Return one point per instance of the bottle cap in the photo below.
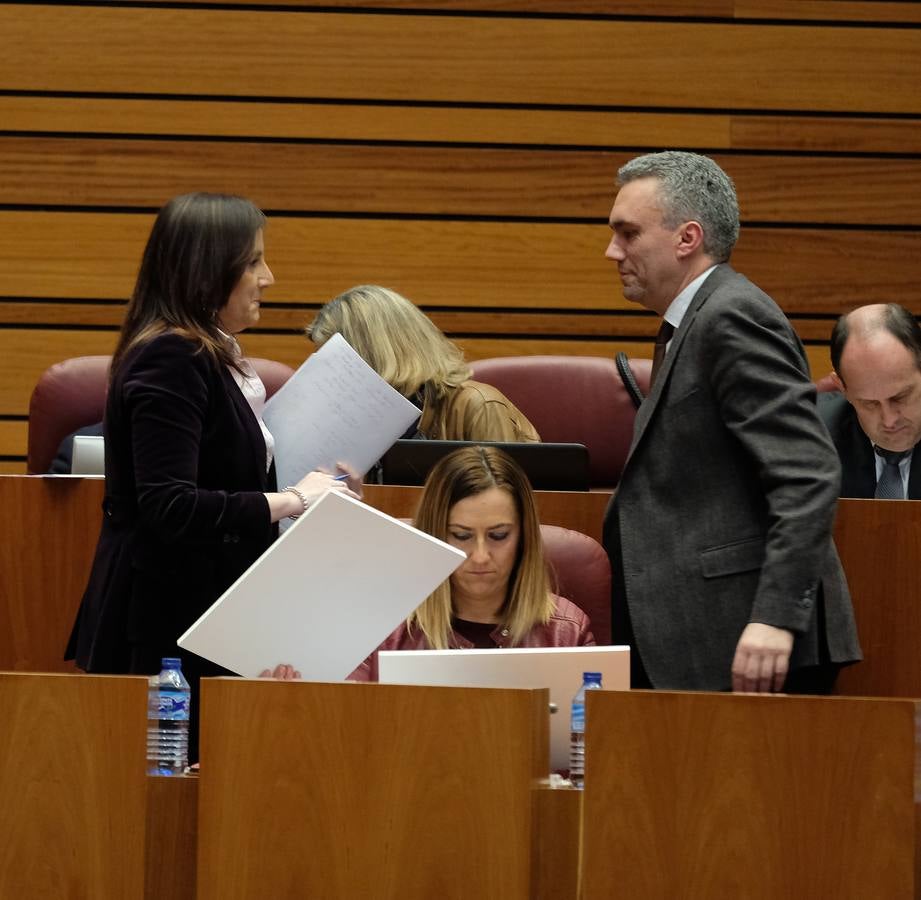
(592, 676)
(171, 662)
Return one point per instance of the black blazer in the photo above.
(855, 450)
(184, 509)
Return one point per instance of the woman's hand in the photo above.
(352, 480)
(308, 490)
(281, 672)
(315, 484)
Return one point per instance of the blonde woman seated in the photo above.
(478, 499)
(405, 348)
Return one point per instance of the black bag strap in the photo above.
(626, 376)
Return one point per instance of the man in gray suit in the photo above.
(726, 576)
(875, 420)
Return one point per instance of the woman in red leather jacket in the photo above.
(479, 500)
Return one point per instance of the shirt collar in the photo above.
(679, 306)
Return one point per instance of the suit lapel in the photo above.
(914, 475)
(648, 407)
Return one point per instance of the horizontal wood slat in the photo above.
(248, 118)
(520, 7)
(445, 58)
(324, 121)
(875, 11)
(433, 180)
(13, 437)
(517, 265)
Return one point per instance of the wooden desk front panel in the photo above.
(343, 791)
(880, 546)
(72, 787)
(709, 796)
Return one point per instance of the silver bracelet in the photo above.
(300, 496)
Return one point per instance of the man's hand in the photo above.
(762, 658)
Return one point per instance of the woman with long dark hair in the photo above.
(191, 500)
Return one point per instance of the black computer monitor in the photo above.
(549, 467)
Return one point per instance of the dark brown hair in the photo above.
(197, 251)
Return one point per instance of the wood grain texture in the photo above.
(565, 7)
(493, 59)
(880, 545)
(875, 11)
(558, 849)
(252, 118)
(72, 787)
(469, 265)
(374, 790)
(433, 181)
(748, 796)
(13, 437)
(172, 838)
(41, 593)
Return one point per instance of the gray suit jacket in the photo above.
(727, 500)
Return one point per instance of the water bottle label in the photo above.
(173, 705)
(578, 717)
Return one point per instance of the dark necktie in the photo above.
(666, 331)
(889, 486)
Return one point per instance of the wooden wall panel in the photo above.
(484, 59)
(72, 786)
(252, 118)
(434, 181)
(868, 11)
(471, 166)
(467, 264)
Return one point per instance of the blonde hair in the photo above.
(392, 336)
(466, 473)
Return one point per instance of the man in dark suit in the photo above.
(726, 576)
(875, 420)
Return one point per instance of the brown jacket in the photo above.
(475, 412)
(568, 627)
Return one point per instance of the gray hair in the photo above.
(691, 186)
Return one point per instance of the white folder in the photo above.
(325, 594)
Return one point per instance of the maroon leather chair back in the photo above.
(574, 399)
(72, 394)
(583, 574)
(827, 384)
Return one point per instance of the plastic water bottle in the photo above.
(591, 681)
(168, 701)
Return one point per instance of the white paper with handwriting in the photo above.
(335, 408)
